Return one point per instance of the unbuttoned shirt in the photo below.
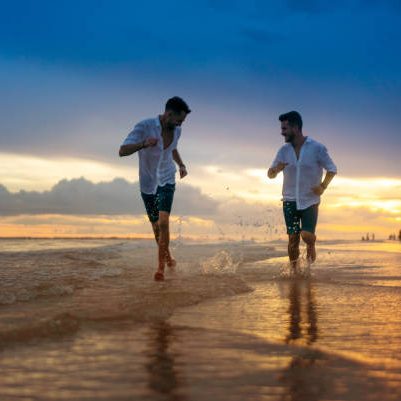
(156, 164)
(304, 173)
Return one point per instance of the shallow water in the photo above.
(45, 244)
(228, 325)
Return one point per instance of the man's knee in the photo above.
(308, 237)
(164, 218)
(293, 240)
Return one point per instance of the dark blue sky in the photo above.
(76, 75)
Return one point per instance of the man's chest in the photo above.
(167, 138)
(305, 156)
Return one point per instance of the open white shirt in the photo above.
(301, 175)
(156, 165)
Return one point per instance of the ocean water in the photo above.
(45, 244)
(87, 322)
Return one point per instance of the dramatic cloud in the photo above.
(82, 197)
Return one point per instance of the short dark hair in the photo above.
(177, 105)
(293, 118)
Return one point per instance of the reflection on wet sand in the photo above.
(164, 378)
(301, 290)
(302, 330)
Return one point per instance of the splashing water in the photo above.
(302, 269)
(221, 263)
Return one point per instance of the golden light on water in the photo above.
(99, 226)
(73, 226)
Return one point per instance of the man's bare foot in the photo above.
(159, 276)
(294, 265)
(170, 261)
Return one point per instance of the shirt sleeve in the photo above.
(137, 135)
(326, 161)
(278, 159)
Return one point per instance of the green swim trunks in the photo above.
(300, 220)
(161, 201)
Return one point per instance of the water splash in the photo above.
(302, 270)
(221, 263)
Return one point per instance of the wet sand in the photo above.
(230, 324)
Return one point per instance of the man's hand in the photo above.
(127, 150)
(272, 172)
(149, 142)
(183, 171)
(318, 190)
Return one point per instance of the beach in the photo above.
(84, 320)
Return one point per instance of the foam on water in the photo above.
(26, 276)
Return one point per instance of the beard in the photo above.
(288, 138)
(170, 125)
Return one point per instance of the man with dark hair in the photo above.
(155, 140)
(302, 161)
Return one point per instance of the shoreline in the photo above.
(110, 283)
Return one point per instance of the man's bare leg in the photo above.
(164, 241)
(293, 249)
(171, 262)
(310, 240)
(156, 231)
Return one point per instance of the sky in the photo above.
(75, 77)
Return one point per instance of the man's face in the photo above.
(174, 119)
(287, 131)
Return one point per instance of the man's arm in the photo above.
(278, 164)
(181, 165)
(323, 185)
(273, 171)
(126, 150)
(331, 170)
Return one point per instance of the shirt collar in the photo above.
(159, 125)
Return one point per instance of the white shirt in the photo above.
(301, 175)
(156, 165)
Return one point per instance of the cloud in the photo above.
(82, 197)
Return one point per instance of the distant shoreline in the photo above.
(187, 239)
(74, 238)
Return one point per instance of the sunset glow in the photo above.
(70, 100)
(350, 207)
